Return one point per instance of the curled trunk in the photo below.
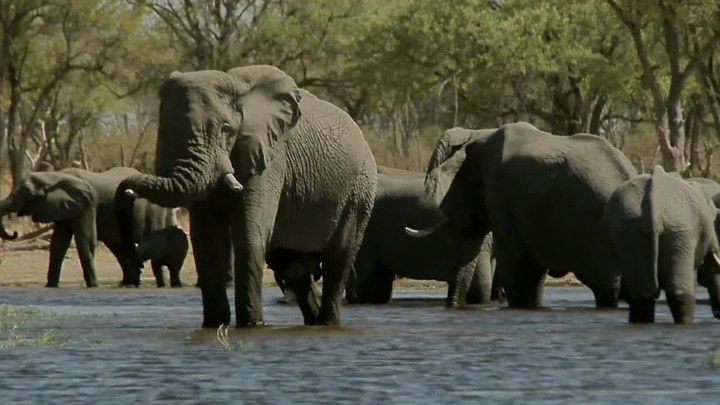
(188, 181)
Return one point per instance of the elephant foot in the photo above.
(642, 310)
(176, 285)
(126, 284)
(160, 285)
(52, 285)
(252, 324)
(682, 307)
(606, 299)
(91, 285)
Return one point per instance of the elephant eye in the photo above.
(227, 131)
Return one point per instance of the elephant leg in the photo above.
(678, 279)
(709, 277)
(157, 269)
(122, 257)
(306, 296)
(86, 242)
(523, 280)
(279, 281)
(459, 286)
(210, 240)
(338, 259)
(174, 271)
(481, 285)
(359, 287)
(59, 244)
(607, 296)
(251, 230)
(498, 291)
(383, 284)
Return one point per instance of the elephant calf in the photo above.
(663, 231)
(165, 247)
(387, 252)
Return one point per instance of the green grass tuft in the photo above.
(222, 337)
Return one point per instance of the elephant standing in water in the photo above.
(543, 197)
(263, 164)
(165, 247)
(387, 252)
(663, 230)
(80, 203)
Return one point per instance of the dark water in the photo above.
(143, 346)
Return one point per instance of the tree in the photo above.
(671, 39)
(65, 63)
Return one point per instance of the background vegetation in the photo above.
(78, 78)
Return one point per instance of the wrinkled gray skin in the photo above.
(165, 247)
(387, 251)
(80, 205)
(543, 197)
(663, 231)
(265, 165)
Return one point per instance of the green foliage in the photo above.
(405, 70)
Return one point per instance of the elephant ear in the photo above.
(269, 102)
(62, 199)
(452, 140)
(438, 180)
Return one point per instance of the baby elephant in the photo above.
(662, 229)
(165, 247)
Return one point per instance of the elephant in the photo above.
(387, 252)
(543, 197)
(663, 232)
(262, 165)
(166, 247)
(710, 188)
(80, 203)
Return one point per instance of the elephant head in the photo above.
(204, 117)
(447, 157)
(463, 205)
(47, 197)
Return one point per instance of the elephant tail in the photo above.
(651, 226)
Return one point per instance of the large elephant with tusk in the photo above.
(542, 196)
(262, 165)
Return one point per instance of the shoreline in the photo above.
(28, 268)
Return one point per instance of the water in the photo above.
(144, 346)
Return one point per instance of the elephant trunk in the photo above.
(188, 181)
(6, 207)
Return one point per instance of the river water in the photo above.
(144, 346)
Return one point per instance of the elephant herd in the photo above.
(273, 175)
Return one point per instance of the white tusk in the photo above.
(232, 182)
(129, 193)
(717, 259)
(415, 233)
(420, 233)
(137, 245)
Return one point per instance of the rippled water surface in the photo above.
(143, 346)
